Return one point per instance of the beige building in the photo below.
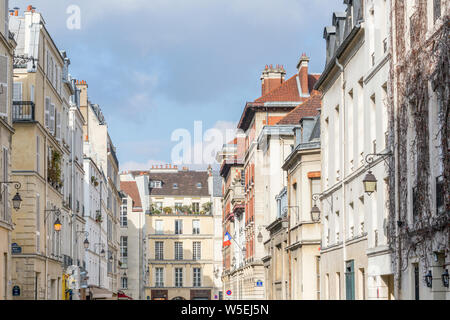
(293, 248)
(101, 165)
(355, 254)
(7, 45)
(132, 242)
(40, 161)
(180, 233)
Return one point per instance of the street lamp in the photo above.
(86, 244)
(102, 253)
(17, 200)
(315, 211)
(57, 224)
(370, 181)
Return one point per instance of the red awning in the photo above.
(123, 296)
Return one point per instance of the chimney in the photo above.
(29, 8)
(16, 11)
(272, 78)
(302, 67)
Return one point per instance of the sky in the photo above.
(157, 66)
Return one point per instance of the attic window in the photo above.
(175, 185)
(156, 184)
(199, 185)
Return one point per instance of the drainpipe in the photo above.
(343, 163)
(45, 224)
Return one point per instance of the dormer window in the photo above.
(175, 185)
(199, 185)
(154, 184)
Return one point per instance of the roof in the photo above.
(131, 189)
(186, 180)
(287, 91)
(309, 108)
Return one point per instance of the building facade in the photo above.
(418, 137)
(44, 145)
(132, 242)
(355, 256)
(7, 46)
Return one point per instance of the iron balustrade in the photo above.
(23, 111)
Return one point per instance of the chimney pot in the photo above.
(29, 8)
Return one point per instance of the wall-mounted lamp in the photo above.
(445, 278)
(17, 200)
(429, 279)
(370, 181)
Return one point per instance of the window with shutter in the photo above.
(3, 86)
(38, 154)
(17, 93)
(58, 125)
(47, 112)
(32, 93)
(6, 216)
(52, 118)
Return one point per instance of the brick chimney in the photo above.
(302, 67)
(272, 78)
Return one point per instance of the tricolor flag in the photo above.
(227, 240)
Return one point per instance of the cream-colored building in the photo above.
(132, 242)
(43, 146)
(180, 233)
(7, 45)
(355, 255)
(293, 248)
(101, 166)
(419, 139)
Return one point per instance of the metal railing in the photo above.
(23, 111)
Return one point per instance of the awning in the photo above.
(100, 293)
(123, 296)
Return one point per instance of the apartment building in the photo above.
(293, 247)
(419, 186)
(7, 46)
(180, 224)
(355, 257)
(132, 242)
(233, 217)
(43, 146)
(101, 171)
(278, 99)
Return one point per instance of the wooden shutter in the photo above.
(47, 112)
(38, 154)
(52, 118)
(3, 86)
(58, 125)
(32, 93)
(17, 92)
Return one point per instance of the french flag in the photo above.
(227, 240)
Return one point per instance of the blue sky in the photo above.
(155, 66)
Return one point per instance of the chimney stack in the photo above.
(302, 67)
(272, 78)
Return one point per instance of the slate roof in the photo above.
(187, 183)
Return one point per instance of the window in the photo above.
(197, 277)
(159, 277)
(124, 283)
(199, 185)
(123, 214)
(195, 207)
(124, 251)
(196, 227)
(440, 195)
(175, 185)
(178, 226)
(156, 184)
(17, 93)
(350, 280)
(38, 224)
(415, 209)
(4, 86)
(178, 206)
(178, 277)
(159, 227)
(38, 154)
(416, 282)
(318, 277)
(196, 251)
(178, 250)
(159, 250)
(436, 9)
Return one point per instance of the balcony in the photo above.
(23, 111)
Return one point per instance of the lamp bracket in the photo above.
(372, 157)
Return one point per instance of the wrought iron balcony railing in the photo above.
(23, 111)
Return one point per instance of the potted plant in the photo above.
(168, 210)
(206, 208)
